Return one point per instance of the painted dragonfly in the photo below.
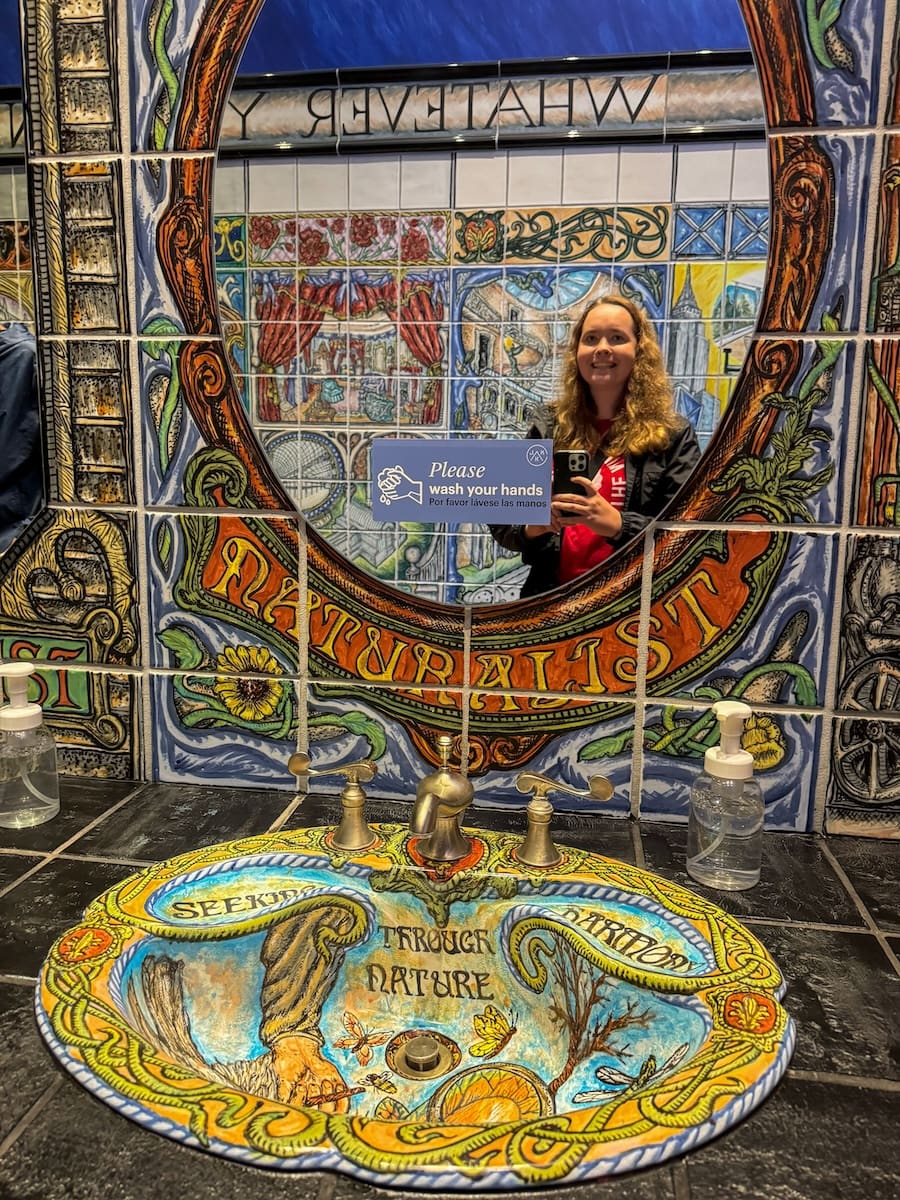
(620, 1083)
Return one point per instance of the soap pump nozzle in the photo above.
(19, 713)
(729, 760)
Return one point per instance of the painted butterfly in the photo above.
(494, 1031)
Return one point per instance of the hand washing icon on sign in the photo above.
(395, 484)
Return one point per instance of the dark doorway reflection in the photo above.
(21, 482)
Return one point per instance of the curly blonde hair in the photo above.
(646, 420)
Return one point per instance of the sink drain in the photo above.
(421, 1054)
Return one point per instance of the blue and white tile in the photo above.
(602, 746)
(194, 743)
(170, 434)
(845, 60)
(352, 721)
(838, 230)
(785, 746)
(178, 27)
(201, 628)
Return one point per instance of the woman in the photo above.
(617, 405)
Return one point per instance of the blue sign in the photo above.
(461, 479)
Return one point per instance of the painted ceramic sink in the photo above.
(473, 1027)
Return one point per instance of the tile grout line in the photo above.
(869, 1082)
(857, 900)
(58, 852)
(642, 650)
(681, 1184)
(327, 1186)
(110, 860)
(36, 1109)
(818, 926)
(279, 823)
(637, 845)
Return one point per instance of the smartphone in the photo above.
(567, 464)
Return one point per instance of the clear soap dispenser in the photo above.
(725, 827)
(29, 780)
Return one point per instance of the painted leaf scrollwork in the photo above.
(773, 482)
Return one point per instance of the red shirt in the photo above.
(580, 547)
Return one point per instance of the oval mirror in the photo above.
(404, 254)
(429, 292)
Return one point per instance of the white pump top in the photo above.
(728, 760)
(19, 714)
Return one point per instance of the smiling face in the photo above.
(606, 353)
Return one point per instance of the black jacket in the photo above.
(651, 481)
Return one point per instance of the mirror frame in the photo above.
(536, 668)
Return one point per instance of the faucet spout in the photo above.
(424, 814)
(441, 799)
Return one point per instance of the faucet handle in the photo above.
(362, 771)
(353, 833)
(537, 849)
(599, 787)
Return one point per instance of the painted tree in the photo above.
(580, 990)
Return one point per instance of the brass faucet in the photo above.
(353, 832)
(441, 799)
(537, 849)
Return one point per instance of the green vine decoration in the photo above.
(158, 23)
(830, 49)
(218, 692)
(773, 484)
(529, 954)
(165, 395)
(681, 734)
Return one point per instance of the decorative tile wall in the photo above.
(205, 376)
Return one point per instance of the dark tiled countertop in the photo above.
(828, 910)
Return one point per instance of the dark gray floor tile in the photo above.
(81, 801)
(845, 997)
(798, 883)
(35, 912)
(165, 819)
(14, 865)
(26, 1069)
(652, 1184)
(78, 1149)
(873, 867)
(808, 1141)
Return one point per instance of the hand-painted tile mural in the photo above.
(217, 350)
